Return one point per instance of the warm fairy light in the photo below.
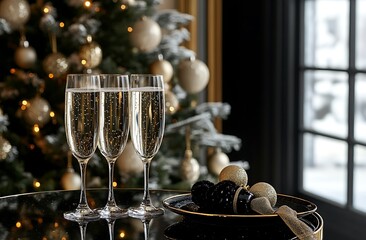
(129, 29)
(63, 238)
(62, 24)
(83, 61)
(36, 128)
(122, 234)
(89, 38)
(18, 224)
(123, 6)
(36, 184)
(12, 70)
(114, 184)
(46, 10)
(39, 220)
(50, 75)
(24, 105)
(52, 114)
(56, 224)
(31, 146)
(87, 4)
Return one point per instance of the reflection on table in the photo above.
(39, 215)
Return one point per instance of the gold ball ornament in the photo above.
(171, 102)
(217, 161)
(193, 75)
(146, 35)
(234, 173)
(5, 148)
(70, 180)
(190, 168)
(56, 64)
(15, 12)
(263, 189)
(37, 111)
(164, 68)
(129, 163)
(91, 54)
(25, 57)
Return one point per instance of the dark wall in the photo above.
(242, 76)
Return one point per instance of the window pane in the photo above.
(359, 195)
(325, 167)
(361, 34)
(360, 107)
(326, 102)
(326, 33)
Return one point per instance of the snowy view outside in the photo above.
(326, 100)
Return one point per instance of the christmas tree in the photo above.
(41, 42)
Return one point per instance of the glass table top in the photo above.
(39, 215)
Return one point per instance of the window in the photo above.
(333, 130)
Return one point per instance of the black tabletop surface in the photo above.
(39, 216)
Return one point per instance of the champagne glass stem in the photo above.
(146, 198)
(111, 200)
(83, 202)
(82, 227)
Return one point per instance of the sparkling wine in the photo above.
(114, 122)
(82, 121)
(147, 126)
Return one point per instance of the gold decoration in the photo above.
(146, 34)
(90, 54)
(70, 180)
(15, 12)
(190, 168)
(37, 111)
(171, 102)
(217, 161)
(193, 75)
(263, 189)
(5, 148)
(129, 162)
(234, 173)
(55, 64)
(162, 67)
(25, 56)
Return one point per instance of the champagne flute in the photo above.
(114, 130)
(147, 123)
(82, 129)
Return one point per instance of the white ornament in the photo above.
(193, 75)
(70, 180)
(91, 54)
(190, 168)
(15, 12)
(146, 34)
(171, 102)
(129, 163)
(217, 161)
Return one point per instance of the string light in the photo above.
(129, 29)
(114, 184)
(50, 75)
(36, 184)
(123, 7)
(36, 128)
(122, 234)
(18, 224)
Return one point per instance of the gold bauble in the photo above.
(234, 173)
(193, 75)
(146, 34)
(263, 189)
(171, 102)
(129, 163)
(37, 111)
(217, 161)
(15, 12)
(70, 180)
(91, 54)
(190, 168)
(56, 64)
(5, 148)
(164, 68)
(25, 57)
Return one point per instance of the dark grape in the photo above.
(221, 195)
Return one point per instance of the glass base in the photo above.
(145, 212)
(112, 212)
(81, 214)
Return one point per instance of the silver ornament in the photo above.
(5, 148)
(37, 111)
(15, 12)
(190, 168)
